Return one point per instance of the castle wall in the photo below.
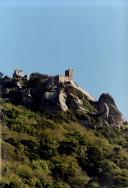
(61, 78)
(69, 73)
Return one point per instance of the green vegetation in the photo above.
(57, 151)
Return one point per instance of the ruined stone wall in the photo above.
(69, 73)
(60, 78)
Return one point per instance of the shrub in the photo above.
(48, 148)
(41, 165)
(67, 169)
(24, 171)
(12, 181)
(90, 159)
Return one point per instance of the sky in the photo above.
(52, 36)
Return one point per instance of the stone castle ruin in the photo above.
(47, 93)
(69, 76)
(19, 77)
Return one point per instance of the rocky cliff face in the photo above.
(38, 92)
(110, 111)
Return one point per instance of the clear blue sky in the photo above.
(51, 36)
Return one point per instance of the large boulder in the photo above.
(75, 103)
(18, 74)
(50, 95)
(26, 98)
(62, 101)
(54, 100)
(109, 110)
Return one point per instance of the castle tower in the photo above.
(69, 73)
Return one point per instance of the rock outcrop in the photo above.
(18, 74)
(109, 110)
(62, 101)
(45, 93)
(75, 102)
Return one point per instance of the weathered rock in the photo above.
(75, 89)
(54, 100)
(87, 123)
(7, 83)
(104, 123)
(20, 96)
(60, 93)
(18, 74)
(75, 103)
(26, 98)
(62, 101)
(36, 75)
(1, 74)
(50, 95)
(18, 84)
(109, 110)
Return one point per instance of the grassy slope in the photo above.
(39, 150)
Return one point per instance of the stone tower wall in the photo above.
(69, 73)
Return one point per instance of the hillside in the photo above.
(56, 135)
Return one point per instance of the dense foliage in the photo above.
(56, 151)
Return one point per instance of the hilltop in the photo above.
(59, 93)
(56, 134)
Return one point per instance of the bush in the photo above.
(41, 165)
(12, 181)
(67, 169)
(41, 150)
(67, 147)
(48, 147)
(24, 171)
(90, 159)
